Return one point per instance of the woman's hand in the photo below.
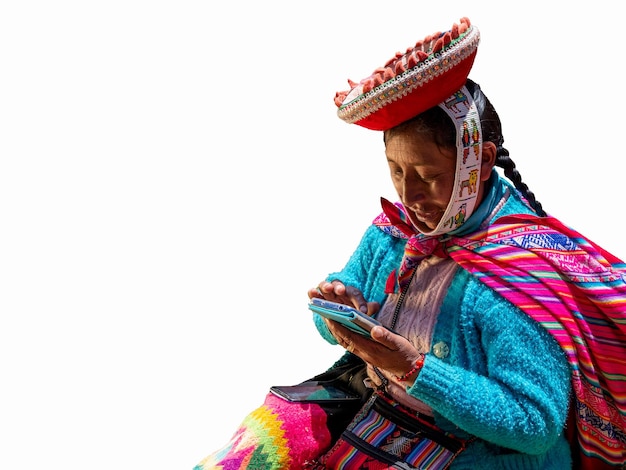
(337, 291)
(385, 350)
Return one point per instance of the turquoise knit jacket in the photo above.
(505, 379)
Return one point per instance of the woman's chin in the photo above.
(424, 227)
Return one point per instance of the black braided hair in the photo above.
(436, 123)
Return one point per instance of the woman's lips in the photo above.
(427, 216)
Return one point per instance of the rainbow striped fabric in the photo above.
(276, 436)
(572, 287)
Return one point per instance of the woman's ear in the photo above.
(489, 160)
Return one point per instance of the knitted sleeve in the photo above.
(505, 380)
(367, 269)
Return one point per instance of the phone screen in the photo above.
(313, 392)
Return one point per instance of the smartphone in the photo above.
(348, 316)
(313, 392)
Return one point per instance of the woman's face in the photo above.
(422, 174)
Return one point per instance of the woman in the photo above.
(504, 321)
(489, 369)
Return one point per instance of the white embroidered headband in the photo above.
(461, 108)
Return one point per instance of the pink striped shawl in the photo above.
(568, 284)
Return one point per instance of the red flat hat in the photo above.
(413, 82)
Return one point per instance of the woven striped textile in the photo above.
(568, 284)
(377, 440)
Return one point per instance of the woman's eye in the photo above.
(429, 178)
(395, 171)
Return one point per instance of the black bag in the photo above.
(348, 374)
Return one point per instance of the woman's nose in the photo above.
(412, 191)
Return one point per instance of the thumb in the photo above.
(387, 338)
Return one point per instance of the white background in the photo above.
(174, 178)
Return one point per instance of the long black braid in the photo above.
(436, 123)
